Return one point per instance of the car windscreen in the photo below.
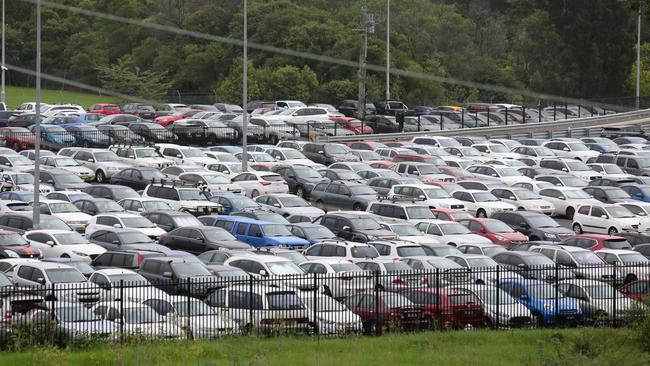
(363, 223)
(65, 275)
(189, 269)
(141, 315)
(275, 230)
(284, 301)
(453, 228)
(364, 251)
(71, 238)
(420, 212)
(105, 156)
(156, 205)
(63, 207)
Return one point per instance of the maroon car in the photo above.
(380, 310)
(448, 308)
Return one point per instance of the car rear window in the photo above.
(463, 299)
(617, 244)
(284, 301)
(272, 178)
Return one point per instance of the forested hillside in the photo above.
(578, 48)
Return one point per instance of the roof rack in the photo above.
(401, 198)
(176, 183)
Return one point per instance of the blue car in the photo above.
(541, 299)
(54, 135)
(639, 192)
(232, 202)
(254, 232)
(89, 117)
(89, 136)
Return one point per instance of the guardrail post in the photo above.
(488, 117)
(506, 116)
(566, 111)
(539, 113)
(362, 133)
(189, 311)
(476, 117)
(335, 128)
(592, 110)
(462, 118)
(579, 113)
(554, 112)
(523, 113)
(419, 123)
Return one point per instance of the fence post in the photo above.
(488, 116)
(579, 113)
(506, 116)
(377, 317)
(496, 323)
(315, 312)
(441, 127)
(52, 318)
(335, 127)
(462, 118)
(308, 129)
(614, 270)
(592, 110)
(437, 319)
(557, 295)
(250, 301)
(539, 113)
(122, 311)
(189, 311)
(566, 111)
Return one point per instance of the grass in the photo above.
(522, 347)
(18, 95)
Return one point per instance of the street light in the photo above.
(3, 93)
(244, 125)
(36, 214)
(387, 50)
(638, 60)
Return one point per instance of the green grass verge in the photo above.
(519, 347)
(18, 95)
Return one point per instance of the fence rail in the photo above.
(112, 309)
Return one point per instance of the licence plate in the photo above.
(85, 177)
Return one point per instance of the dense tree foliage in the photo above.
(577, 48)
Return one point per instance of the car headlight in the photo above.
(550, 236)
(549, 307)
(81, 254)
(11, 254)
(499, 237)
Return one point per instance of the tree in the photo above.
(125, 77)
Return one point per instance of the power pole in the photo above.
(638, 60)
(36, 213)
(387, 50)
(363, 54)
(244, 125)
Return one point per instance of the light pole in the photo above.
(387, 50)
(3, 93)
(36, 217)
(638, 60)
(244, 125)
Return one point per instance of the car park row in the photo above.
(166, 239)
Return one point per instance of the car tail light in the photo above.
(265, 183)
(425, 280)
(8, 315)
(398, 281)
(161, 238)
(140, 258)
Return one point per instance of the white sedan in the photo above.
(483, 203)
(524, 199)
(211, 180)
(257, 183)
(62, 244)
(505, 174)
(567, 200)
(124, 220)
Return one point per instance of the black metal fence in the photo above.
(323, 304)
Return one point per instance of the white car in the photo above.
(572, 149)
(230, 170)
(604, 219)
(184, 154)
(483, 268)
(567, 200)
(288, 204)
(631, 265)
(505, 174)
(195, 316)
(116, 283)
(571, 166)
(330, 316)
(642, 210)
(137, 319)
(124, 221)
(450, 232)
(138, 205)
(15, 181)
(289, 156)
(483, 203)
(340, 280)
(212, 181)
(69, 164)
(63, 244)
(65, 211)
(348, 250)
(408, 232)
(15, 163)
(495, 151)
(257, 183)
(104, 163)
(609, 171)
(534, 186)
(142, 156)
(524, 199)
(182, 198)
(433, 196)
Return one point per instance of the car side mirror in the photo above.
(276, 205)
(422, 196)
(321, 152)
(167, 274)
(50, 243)
(41, 280)
(561, 198)
(91, 160)
(116, 242)
(179, 156)
(522, 266)
(347, 228)
(565, 149)
(494, 175)
(512, 198)
(565, 169)
(604, 216)
(117, 226)
(263, 273)
(140, 209)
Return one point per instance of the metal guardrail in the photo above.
(524, 129)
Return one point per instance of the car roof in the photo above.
(615, 251)
(115, 271)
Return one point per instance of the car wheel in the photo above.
(65, 256)
(100, 177)
(577, 229)
(255, 193)
(357, 207)
(521, 209)
(612, 231)
(300, 192)
(570, 212)
(480, 282)
(630, 278)
(481, 213)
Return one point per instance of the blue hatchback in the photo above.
(543, 300)
(255, 232)
(640, 192)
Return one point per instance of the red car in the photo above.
(386, 309)
(365, 145)
(105, 109)
(17, 138)
(495, 230)
(447, 307)
(168, 120)
(449, 214)
(597, 242)
(637, 290)
(353, 125)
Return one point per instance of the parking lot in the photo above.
(154, 228)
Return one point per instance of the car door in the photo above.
(195, 242)
(598, 221)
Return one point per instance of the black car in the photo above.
(170, 220)
(644, 249)
(354, 227)
(61, 180)
(608, 194)
(349, 108)
(128, 259)
(111, 191)
(535, 225)
(179, 276)
(611, 182)
(327, 153)
(301, 179)
(14, 245)
(89, 136)
(22, 221)
(532, 172)
(383, 124)
(198, 239)
(391, 107)
(138, 178)
(525, 247)
(121, 134)
(125, 239)
(22, 120)
(531, 265)
(313, 233)
(635, 238)
(98, 206)
(152, 132)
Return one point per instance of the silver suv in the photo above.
(103, 163)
